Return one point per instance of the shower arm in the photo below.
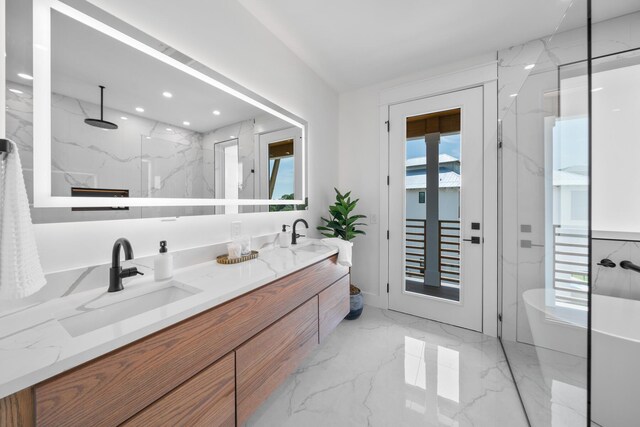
(628, 265)
(101, 102)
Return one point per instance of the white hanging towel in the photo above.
(20, 270)
(344, 250)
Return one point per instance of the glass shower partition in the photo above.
(615, 344)
(545, 219)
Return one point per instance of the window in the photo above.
(421, 196)
(579, 205)
(281, 174)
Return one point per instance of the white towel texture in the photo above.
(20, 270)
(344, 250)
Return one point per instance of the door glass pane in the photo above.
(281, 174)
(432, 204)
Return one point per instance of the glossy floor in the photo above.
(553, 384)
(391, 369)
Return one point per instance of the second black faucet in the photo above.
(294, 235)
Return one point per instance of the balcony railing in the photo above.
(570, 264)
(449, 250)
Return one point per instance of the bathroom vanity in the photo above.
(210, 358)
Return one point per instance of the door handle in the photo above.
(526, 244)
(474, 240)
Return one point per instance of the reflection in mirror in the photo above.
(125, 124)
(280, 161)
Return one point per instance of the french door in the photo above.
(436, 206)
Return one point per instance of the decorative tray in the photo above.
(224, 259)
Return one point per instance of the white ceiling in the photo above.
(355, 43)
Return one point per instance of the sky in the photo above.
(449, 144)
(285, 180)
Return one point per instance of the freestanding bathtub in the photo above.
(615, 350)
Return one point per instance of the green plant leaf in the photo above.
(341, 223)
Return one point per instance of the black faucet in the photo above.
(116, 273)
(628, 265)
(294, 235)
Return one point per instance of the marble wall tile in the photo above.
(143, 156)
(616, 282)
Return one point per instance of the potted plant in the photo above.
(343, 225)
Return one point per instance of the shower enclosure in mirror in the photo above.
(545, 219)
(114, 124)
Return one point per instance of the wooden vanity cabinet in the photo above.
(207, 400)
(183, 371)
(333, 306)
(266, 360)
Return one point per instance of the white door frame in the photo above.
(467, 310)
(482, 75)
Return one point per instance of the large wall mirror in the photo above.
(114, 124)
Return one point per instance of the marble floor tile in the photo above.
(553, 385)
(391, 369)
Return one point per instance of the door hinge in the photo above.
(499, 133)
(387, 234)
(387, 288)
(388, 125)
(388, 179)
(499, 317)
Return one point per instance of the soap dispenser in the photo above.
(163, 263)
(284, 237)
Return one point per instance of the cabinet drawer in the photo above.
(109, 390)
(333, 306)
(266, 360)
(208, 399)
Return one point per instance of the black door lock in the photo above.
(474, 239)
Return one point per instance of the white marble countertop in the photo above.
(35, 345)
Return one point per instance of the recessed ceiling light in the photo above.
(167, 94)
(616, 110)
(123, 118)
(186, 123)
(529, 67)
(596, 89)
(15, 91)
(216, 112)
(25, 76)
(140, 109)
(513, 95)
(231, 136)
(169, 130)
(147, 137)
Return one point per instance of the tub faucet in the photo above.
(116, 273)
(294, 235)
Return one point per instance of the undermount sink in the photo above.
(108, 313)
(312, 247)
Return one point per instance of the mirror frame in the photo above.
(99, 20)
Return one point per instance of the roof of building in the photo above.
(418, 182)
(421, 161)
(563, 177)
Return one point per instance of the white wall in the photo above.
(360, 167)
(616, 150)
(224, 36)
